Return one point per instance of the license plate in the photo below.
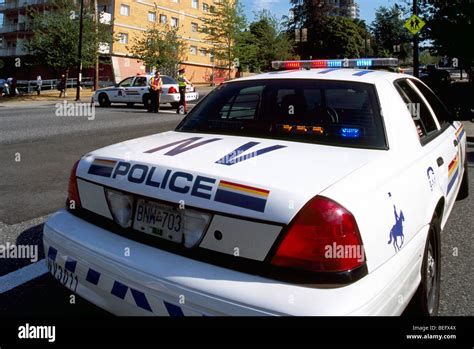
(191, 96)
(64, 276)
(159, 220)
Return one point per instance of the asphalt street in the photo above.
(37, 150)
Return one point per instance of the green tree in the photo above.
(55, 36)
(342, 39)
(448, 26)
(329, 35)
(222, 26)
(247, 51)
(368, 39)
(160, 47)
(264, 42)
(312, 15)
(389, 32)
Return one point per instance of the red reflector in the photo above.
(323, 237)
(292, 65)
(172, 90)
(73, 200)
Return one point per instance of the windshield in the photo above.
(168, 80)
(317, 111)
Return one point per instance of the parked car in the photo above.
(134, 90)
(307, 192)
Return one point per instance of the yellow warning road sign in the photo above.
(414, 24)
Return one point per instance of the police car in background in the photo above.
(296, 192)
(134, 89)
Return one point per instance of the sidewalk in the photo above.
(50, 97)
(46, 97)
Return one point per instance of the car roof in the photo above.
(148, 76)
(337, 74)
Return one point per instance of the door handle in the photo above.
(456, 143)
(440, 161)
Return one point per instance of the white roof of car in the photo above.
(344, 74)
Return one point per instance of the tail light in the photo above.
(323, 237)
(73, 200)
(172, 89)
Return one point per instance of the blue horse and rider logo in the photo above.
(396, 233)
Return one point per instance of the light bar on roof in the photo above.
(336, 63)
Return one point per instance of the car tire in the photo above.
(104, 100)
(130, 105)
(464, 189)
(147, 100)
(425, 302)
(175, 105)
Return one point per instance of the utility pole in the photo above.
(96, 76)
(416, 59)
(79, 54)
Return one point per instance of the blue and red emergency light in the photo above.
(365, 63)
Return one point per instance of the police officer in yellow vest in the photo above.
(182, 81)
(155, 89)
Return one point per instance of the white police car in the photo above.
(300, 192)
(134, 90)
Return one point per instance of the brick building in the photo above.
(131, 18)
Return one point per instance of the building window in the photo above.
(205, 7)
(203, 52)
(174, 22)
(195, 4)
(123, 38)
(125, 10)
(176, 1)
(194, 27)
(151, 16)
(193, 50)
(163, 19)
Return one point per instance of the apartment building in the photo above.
(346, 8)
(131, 19)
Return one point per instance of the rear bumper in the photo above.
(129, 278)
(174, 97)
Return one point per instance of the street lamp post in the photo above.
(79, 54)
(416, 60)
(96, 70)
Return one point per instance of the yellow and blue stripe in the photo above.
(241, 195)
(460, 133)
(102, 167)
(453, 172)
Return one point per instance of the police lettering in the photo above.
(175, 181)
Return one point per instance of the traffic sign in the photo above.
(414, 24)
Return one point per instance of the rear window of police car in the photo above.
(317, 111)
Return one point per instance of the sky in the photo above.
(281, 7)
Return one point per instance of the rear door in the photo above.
(451, 147)
(440, 159)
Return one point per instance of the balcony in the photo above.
(104, 48)
(14, 28)
(105, 17)
(12, 51)
(10, 5)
